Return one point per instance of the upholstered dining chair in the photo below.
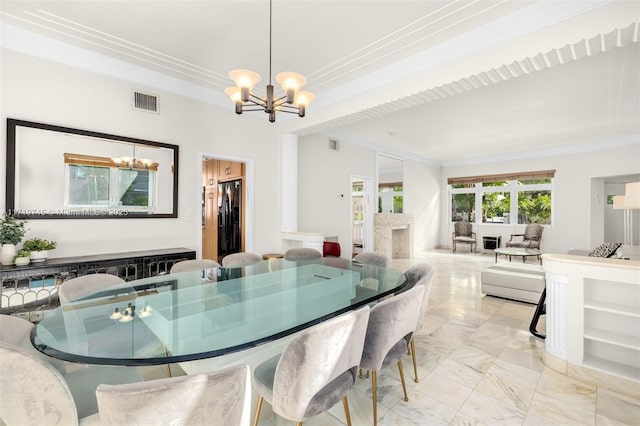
(193, 265)
(463, 234)
(373, 258)
(532, 237)
(81, 379)
(370, 275)
(302, 254)
(220, 397)
(33, 391)
(391, 323)
(316, 369)
(240, 259)
(82, 286)
(420, 274)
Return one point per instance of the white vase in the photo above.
(22, 261)
(39, 256)
(7, 253)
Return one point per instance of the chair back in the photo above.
(533, 231)
(463, 229)
(302, 253)
(420, 274)
(373, 258)
(313, 359)
(193, 265)
(79, 287)
(331, 249)
(33, 391)
(390, 322)
(220, 397)
(240, 259)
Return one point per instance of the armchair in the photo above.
(531, 238)
(463, 233)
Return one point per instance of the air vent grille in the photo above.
(145, 102)
(334, 145)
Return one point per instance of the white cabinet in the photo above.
(594, 322)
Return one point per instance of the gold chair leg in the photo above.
(255, 420)
(374, 391)
(298, 423)
(345, 403)
(404, 387)
(412, 344)
(360, 373)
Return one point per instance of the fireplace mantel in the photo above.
(393, 234)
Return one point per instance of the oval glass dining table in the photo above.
(207, 313)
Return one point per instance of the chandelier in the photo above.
(293, 101)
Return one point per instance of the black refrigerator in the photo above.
(229, 218)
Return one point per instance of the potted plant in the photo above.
(39, 248)
(22, 257)
(12, 231)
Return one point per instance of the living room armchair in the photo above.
(531, 238)
(463, 233)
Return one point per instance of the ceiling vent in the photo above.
(145, 102)
(334, 145)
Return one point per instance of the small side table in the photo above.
(491, 242)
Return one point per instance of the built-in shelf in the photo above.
(617, 308)
(631, 342)
(612, 367)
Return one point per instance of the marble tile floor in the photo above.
(478, 365)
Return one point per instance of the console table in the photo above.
(28, 290)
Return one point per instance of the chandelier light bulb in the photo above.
(290, 82)
(304, 98)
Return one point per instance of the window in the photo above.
(511, 198)
(99, 183)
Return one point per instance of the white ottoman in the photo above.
(523, 282)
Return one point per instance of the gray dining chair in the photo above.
(390, 323)
(372, 262)
(81, 379)
(221, 397)
(316, 369)
(373, 258)
(420, 274)
(240, 259)
(82, 286)
(33, 392)
(193, 265)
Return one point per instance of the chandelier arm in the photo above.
(290, 112)
(256, 100)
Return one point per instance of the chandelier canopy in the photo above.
(293, 101)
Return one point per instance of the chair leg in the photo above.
(412, 345)
(374, 392)
(404, 387)
(345, 403)
(255, 420)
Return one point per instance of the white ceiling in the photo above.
(584, 86)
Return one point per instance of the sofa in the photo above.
(610, 250)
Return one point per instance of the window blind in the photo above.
(541, 174)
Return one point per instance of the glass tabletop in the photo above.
(207, 313)
(518, 251)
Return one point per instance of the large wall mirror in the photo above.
(57, 172)
(390, 184)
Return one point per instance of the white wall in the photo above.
(324, 174)
(578, 208)
(37, 90)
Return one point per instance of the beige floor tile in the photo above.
(560, 412)
(443, 390)
(616, 407)
(484, 409)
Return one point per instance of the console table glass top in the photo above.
(203, 314)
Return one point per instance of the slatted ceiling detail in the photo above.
(541, 174)
(583, 48)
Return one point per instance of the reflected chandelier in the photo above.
(294, 101)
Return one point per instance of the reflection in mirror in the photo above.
(57, 172)
(390, 183)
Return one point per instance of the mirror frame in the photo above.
(10, 202)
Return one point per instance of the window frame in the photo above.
(513, 188)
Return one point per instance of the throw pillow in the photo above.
(605, 250)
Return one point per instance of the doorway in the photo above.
(362, 209)
(224, 212)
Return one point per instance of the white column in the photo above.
(556, 316)
(289, 183)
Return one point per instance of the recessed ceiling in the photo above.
(339, 44)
